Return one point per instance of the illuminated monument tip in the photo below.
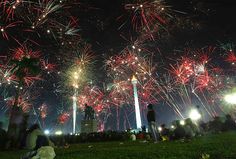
(134, 80)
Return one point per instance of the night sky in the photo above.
(201, 23)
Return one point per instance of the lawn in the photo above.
(221, 146)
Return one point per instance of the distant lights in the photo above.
(46, 132)
(58, 132)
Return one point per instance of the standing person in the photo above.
(151, 117)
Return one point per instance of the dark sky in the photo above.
(215, 17)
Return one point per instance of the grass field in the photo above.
(221, 146)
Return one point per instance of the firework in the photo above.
(43, 109)
(193, 80)
(121, 68)
(64, 117)
(148, 16)
(25, 18)
(24, 101)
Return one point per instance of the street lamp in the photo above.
(136, 102)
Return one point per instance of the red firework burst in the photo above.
(121, 68)
(231, 57)
(23, 102)
(148, 16)
(64, 117)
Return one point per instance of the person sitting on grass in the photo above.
(190, 128)
(229, 123)
(32, 136)
(179, 132)
(165, 133)
(42, 150)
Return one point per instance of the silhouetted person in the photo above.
(190, 128)
(151, 118)
(229, 123)
(3, 137)
(179, 131)
(42, 149)
(165, 132)
(33, 133)
(216, 125)
(143, 128)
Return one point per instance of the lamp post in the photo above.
(75, 101)
(136, 102)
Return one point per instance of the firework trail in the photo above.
(148, 17)
(193, 80)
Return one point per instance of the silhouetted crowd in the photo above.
(35, 139)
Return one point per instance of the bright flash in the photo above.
(194, 115)
(58, 132)
(230, 98)
(182, 122)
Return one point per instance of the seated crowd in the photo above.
(39, 144)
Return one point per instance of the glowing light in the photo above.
(230, 98)
(74, 97)
(182, 122)
(46, 132)
(194, 115)
(58, 132)
(76, 76)
(159, 129)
